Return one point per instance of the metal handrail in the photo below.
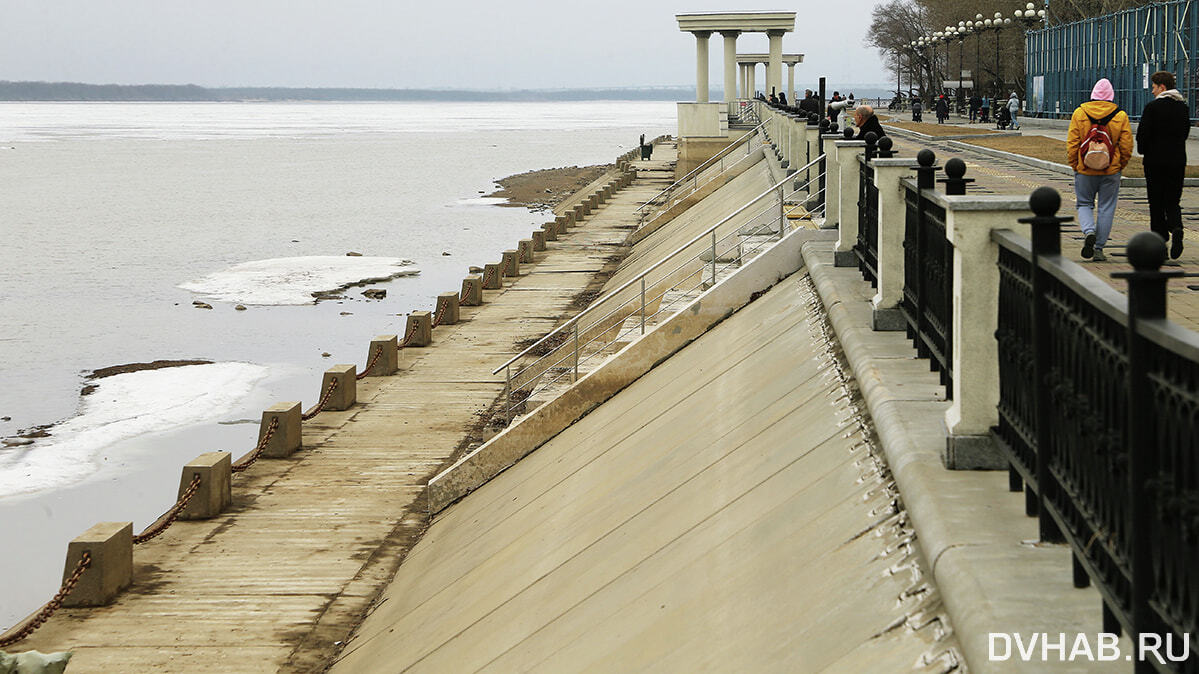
(702, 167)
(574, 320)
(695, 189)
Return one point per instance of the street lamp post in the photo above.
(1028, 18)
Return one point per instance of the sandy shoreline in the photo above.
(543, 189)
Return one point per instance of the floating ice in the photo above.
(125, 406)
(293, 280)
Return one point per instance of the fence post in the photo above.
(975, 354)
(847, 153)
(811, 139)
(1046, 242)
(892, 213)
(1146, 302)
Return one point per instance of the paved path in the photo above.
(1002, 176)
(278, 581)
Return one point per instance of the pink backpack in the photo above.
(1097, 147)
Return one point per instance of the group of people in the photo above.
(1099, 147)
(979, 109)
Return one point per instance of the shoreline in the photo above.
(540, 190)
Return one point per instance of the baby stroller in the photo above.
(1003, 118)
(917, 111)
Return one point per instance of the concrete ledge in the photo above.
(971, 531)
(618, 371)
(1051, 166)
(899, 131)
(887, 320)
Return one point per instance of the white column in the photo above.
(969, 220)
(774, 69)
(791, 85)
(892, 221)
(701, 66)
(744, 81)
(753, 74)
(849, 173)
(730, 65)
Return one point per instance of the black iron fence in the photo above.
(1099, 419)
(866, 247)
(927, 304)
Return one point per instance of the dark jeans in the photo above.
(1163, 185)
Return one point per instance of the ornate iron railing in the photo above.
(927, 304)
(866, 247)
(1099, 421)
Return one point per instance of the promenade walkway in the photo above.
(277, 582)
(1005, 176)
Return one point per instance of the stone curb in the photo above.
(1049, 165)
(900, 131)
(971, 530)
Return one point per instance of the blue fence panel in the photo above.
(1063, 62)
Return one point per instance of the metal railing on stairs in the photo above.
(627, 312)
(670, 195)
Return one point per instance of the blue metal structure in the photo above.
(1063, 62)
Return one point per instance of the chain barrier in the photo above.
(488, 275)
(321, 405)
(51, 606)
(463, 296)
(410, 336)
(371, 365)
(441, 307)
(266, 438)
(171, 515)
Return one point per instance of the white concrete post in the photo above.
(730, 64)
(969, 220)
(892, 219)
(847, 178)
(811, 142)
(753, 85)
(831, 185)
(774, 68)
(701, 65)
(791, 84)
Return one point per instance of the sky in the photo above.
(500, 44)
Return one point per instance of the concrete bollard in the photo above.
(562, 222)
(539, 239)
(110, 545)
(389, 361)
(346, 393)
(447, 308)
(472, 291)
(420, 328)
(572, 217)
(524, 251)
(511, 263)
(492, 273)
(550, 229)
(214, 493)
(286, 438)
(578, 212)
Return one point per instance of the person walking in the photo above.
(1161, 139)
(942, 109)
(975, 104)
(1013, 107)
(1098, 147)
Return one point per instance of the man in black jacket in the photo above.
(1161, 139)
(866, 121)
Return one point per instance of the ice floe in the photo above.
(122, 407)
(294, 280)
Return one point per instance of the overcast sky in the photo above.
(500, 44)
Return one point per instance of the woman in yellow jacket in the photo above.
(1096, 189)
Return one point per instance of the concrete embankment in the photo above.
(722, 513)
(276, 582)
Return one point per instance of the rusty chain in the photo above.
(488, 274)
(371, 365)
(440, 313)
(410, 336)
(320, 405)
(171, 515)
(253, 456)
(51, 606)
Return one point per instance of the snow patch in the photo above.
(294, 280)
(122, 407)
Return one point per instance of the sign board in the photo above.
(965, 74)
(955, 84)
(1145, 75)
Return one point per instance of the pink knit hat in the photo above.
(1103, 91)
